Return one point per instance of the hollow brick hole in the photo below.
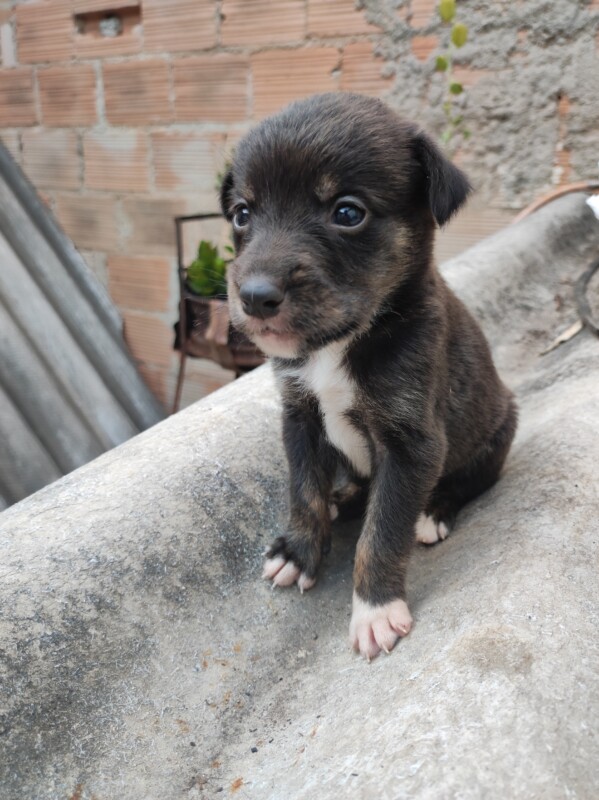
(108, 23)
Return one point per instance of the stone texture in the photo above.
(144, 657)
(518, 61)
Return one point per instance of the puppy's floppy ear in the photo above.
(226, 189)
(446, 186)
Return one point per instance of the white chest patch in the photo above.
(325, 376)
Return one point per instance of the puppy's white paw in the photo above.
(376, 628)
(430, 532)
(285, 573)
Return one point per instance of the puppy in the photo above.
(334, 203)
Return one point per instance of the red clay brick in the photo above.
(423, 46)
(88, 6)
(262, 22)
(189, 161)
(202, 377)
(44, 31)
(10, 140)
(149, 338)
(151, 224)
(157, 381)
(89, 43)
(423, 12)
(361, 70)
(68, 95)
(116, 161)
(284, 75)
(140, 282)
(211, 88)
(179, 25)
(51, 159)
(233, 137)
(468, 77)
(137, 92)
(563, 105)
(336, 18)
(90, 221)
(563, 165)
(17, 104)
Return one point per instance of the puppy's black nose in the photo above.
(260, 297)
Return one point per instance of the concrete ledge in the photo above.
(142, 657)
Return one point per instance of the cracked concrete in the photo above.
(141, 656)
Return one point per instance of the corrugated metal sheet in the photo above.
(69, 389)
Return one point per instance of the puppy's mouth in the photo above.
(272, 339)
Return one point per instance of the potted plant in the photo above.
(204, 329)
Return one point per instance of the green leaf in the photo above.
(441, 64)
(446, 10)
(459, 34)
(456, 88)
(206, 275)
(206, 251)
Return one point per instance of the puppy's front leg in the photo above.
(399, 490)
(296, 556)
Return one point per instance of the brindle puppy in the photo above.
(334, 203)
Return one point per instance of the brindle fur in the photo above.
(437, 418)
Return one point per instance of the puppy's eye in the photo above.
(241, 218)
(348, 214)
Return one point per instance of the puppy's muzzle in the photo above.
(260, 297)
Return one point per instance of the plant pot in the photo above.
(209, 333)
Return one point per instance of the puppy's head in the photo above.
(333, 204)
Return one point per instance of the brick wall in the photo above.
(121, 134)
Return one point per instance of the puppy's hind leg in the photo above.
(349, 495)
(453, 491)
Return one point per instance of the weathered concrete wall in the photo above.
(142, 657)
(531, 72)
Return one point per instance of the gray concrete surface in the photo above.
(142, 658)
